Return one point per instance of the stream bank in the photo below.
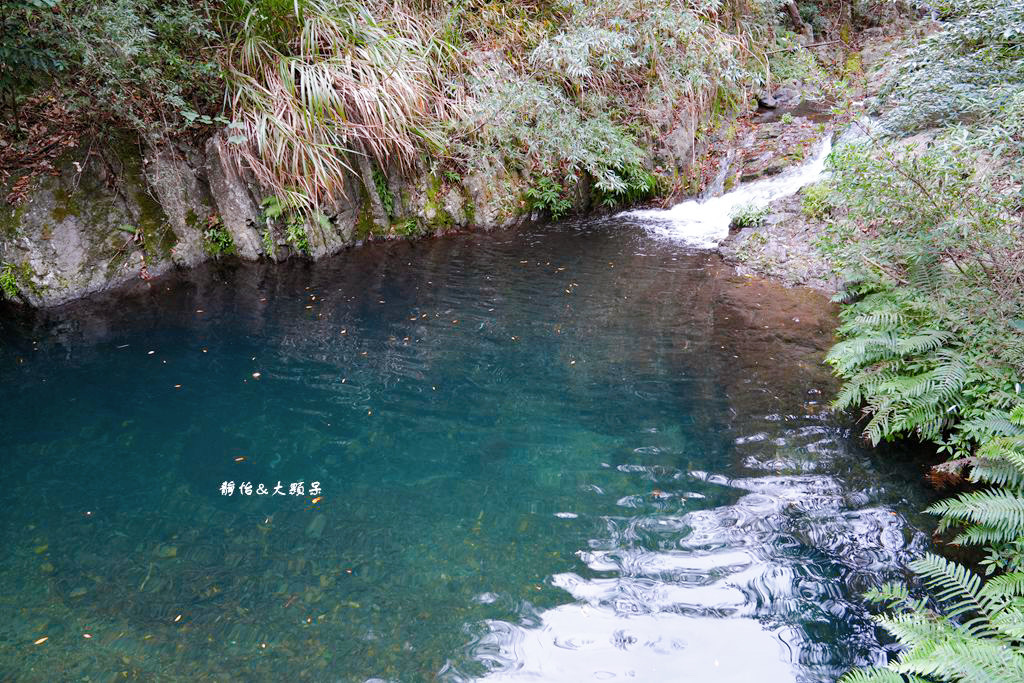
(105, 213)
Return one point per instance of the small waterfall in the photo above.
(717, 186)
(704, 223)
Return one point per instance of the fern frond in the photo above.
(1010, 584)
(877, 675)
(954, 583)
(999, 472)
(1001, 509)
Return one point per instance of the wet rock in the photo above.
(782, 248)
(166, 551)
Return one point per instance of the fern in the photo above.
(976, 634)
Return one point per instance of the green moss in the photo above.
(365, 223)
(434, 204)
(17, 278)
(853, 65)
(66, 205)
(469, 208)
(158, 237)
(409, 228)
(192, 220)
(10, 220)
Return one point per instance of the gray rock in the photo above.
(238, 209)
(92, 227)
(185, 199)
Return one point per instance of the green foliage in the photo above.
(748, 216)
(638, 184)
(26, 57)
(217, 241)
(929, 342)
(606, 83)
(276, 209)
(537, 129)
(139, 64)
(295, 234)
(787, 118)
(932, 338)
(273, 207)
(8, 281)
(789, 62)
(410, 227)
(548, 196)
(267, 239)
(816, 201)
(970, 70)
(576, 90)
(380, 181)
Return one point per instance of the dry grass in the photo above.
(314, 83)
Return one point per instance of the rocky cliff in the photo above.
(115, 213)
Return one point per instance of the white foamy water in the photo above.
(705, 223)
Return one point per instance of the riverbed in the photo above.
(574, 452)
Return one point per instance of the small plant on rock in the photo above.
(816, 201)
(8, 281)
(295, 234)
(217, 241)
(547, 195)
(747, 216)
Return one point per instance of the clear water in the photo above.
(567, 454)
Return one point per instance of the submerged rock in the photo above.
(316, 526)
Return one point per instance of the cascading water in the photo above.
(705, 223)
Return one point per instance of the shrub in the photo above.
(970, 70)
(931, 344)
(26, 57)
(975, 632)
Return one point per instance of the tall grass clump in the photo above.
(315, 84)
